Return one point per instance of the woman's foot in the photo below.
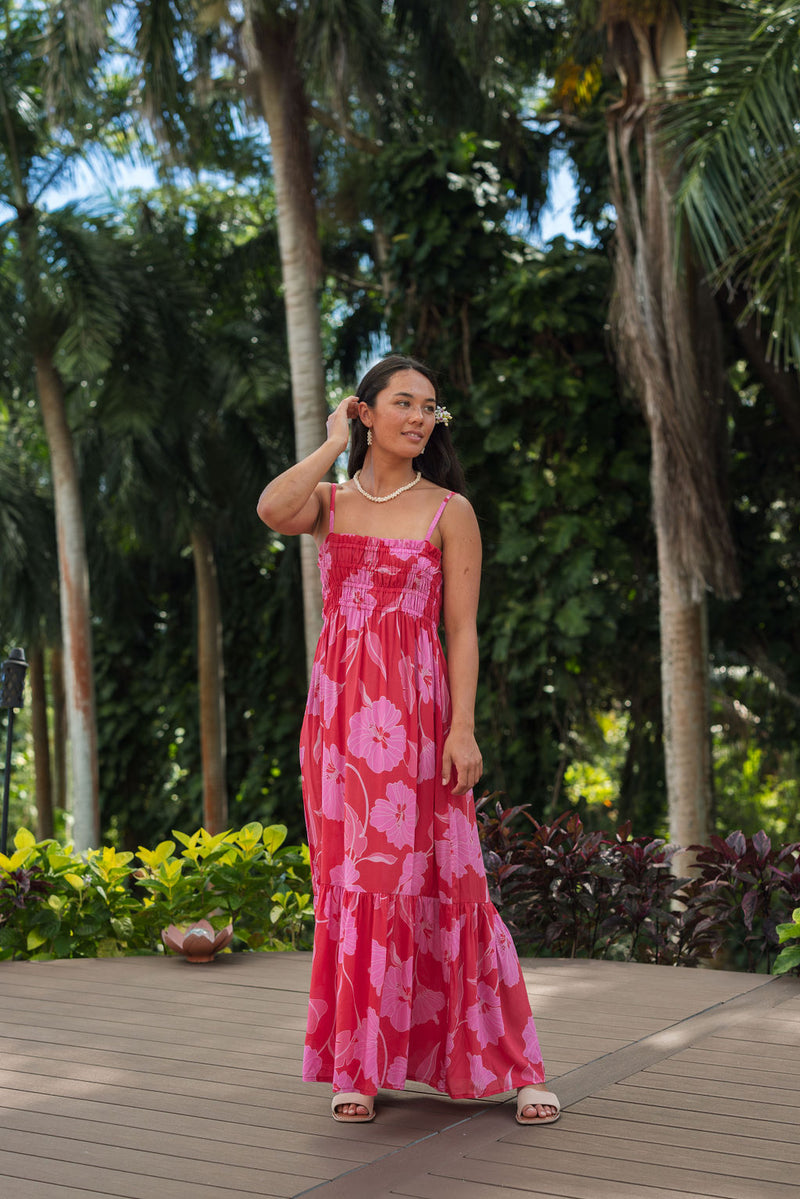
(537, 1105)
(348, 1107)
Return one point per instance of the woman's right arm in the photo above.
(292, 502)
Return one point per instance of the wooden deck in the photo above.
(147, 1078)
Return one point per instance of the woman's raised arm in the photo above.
(292, 502)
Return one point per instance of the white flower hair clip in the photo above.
(443, 417)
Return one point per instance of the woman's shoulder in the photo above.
(458, 516)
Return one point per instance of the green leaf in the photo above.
(24, 839)
(787, 959)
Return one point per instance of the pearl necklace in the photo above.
(384, 499)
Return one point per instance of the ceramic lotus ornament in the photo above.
(199, 942)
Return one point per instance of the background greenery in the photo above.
(180, 410)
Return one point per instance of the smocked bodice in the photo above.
(364, 578)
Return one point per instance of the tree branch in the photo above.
(336, 125)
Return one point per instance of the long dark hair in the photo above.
(439, 463)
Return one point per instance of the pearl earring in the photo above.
(369, 436)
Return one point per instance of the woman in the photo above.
(414, 975)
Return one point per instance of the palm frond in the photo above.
(736, 136)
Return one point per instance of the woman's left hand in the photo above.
(461, 754)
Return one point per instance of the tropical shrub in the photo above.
(569, 892)
(249, 877)
(56, 903)
(789, 956)
(742, 891)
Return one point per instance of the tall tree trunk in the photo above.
(75, 611)
(41, 746)
(211, 682)
(59, 698)
(285, 109)
(685, 704)
(651, 317)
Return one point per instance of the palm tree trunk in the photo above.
(41, 746)
(651, 317)
(211, 683)
(75, 611)
(685, 706)
(59, 728)
(284, 106)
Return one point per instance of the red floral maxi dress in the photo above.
(414, 974)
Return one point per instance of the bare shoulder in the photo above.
(458, 518)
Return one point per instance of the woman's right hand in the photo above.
(337, 424)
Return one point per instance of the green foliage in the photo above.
(742, 891)
(557, 463)
(571, 892)
(789, 956)
(735, 128)
(248, 877)
(78, 908)
(55, 903)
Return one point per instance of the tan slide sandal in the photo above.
(528, 1096)
(344, 1097)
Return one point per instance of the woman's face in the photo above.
(404, 414)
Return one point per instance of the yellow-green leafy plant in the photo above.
(247, 876)
(789, 956)
(57, 903)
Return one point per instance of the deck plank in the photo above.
(133, 1077)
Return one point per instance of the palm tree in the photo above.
(657, 312)
(319, 64)
(34, 247)
(736, 135)
(180, 453)
(262, 41)
(29, 578)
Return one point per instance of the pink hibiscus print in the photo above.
(396, 1074)
(407, 682)
(424, 666)
(377, 736)
(316, 1010)
(507, 960)
(458, 848)
(342, 1081)
(532, 1051)
(396, 815)
(481, 1078)
(377, 965)
(346, 875)
(415, 593)
(427, 1005)
(312, 703)
(446, 947)
(348, 935)
(426, 768)
(404, 550)
(363, 1047)
(312, 1064)
(333, 767)
(396, 1002)
(412, 875)
(485, 1017)
(357, 601)
(328, 697)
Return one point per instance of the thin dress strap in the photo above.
(333, 505)
(439, 512)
